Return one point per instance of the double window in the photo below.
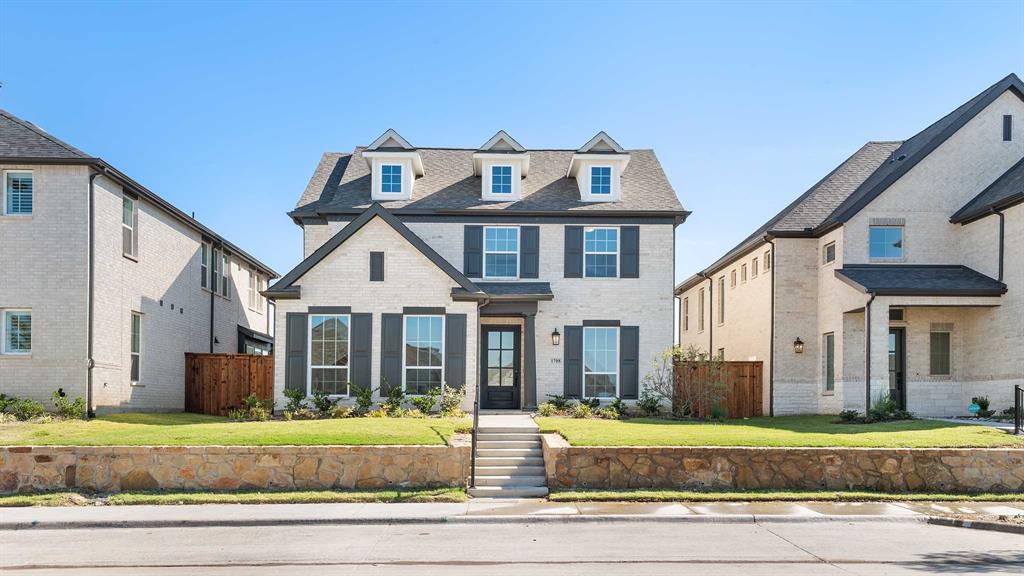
(940, 353)
(136, 348)
(501, 252)
(329, 348)
(601, 180)
(501, 179)
(391, 178)
(601, 252)
(17, 193)
(17, 331)
(885, 242)
(424, 353)
(600, 362)
(129, 227)
(829, 351)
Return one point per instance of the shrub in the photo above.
(6, 402)
(848, 415)
(303, 414)
(378, 413)
(649, 403)
(342, 412)
(617, 405)
(238, 414)
(395, 398)
(415, 413)
(560, 403)
(883, 408)
(257, 409)
(547, 409)
(323, 403)
(594, 403)
(982, 402)
(288, 415)
(719, 412)
(451, 401)
(581, 411)
(296, 399)
(66, 408)
(425, 403)
(364, 399)
(27, 409)
(609, 413)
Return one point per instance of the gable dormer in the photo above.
(501, 163)
(597, 167)
(394, 166)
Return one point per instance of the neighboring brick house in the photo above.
(539, 272)
(926, 235)
(105, 285)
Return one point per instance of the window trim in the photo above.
(732, 278)
(753, 268)
(743, 273)
(401, 178)
(405, 342)
(903, 244)
(3, 331)
(611, 181)
(511, 179)
(132, 353)
(618, 361)
(485, 252)
(3, 194)
(825, 260)
(949, 372)
(828, 375)
(767, 260)
(618, 251)
(309, 356)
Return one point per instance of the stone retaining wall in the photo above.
(887, 469)
(119, 468)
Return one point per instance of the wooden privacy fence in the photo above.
(740, 391)
(215, 383)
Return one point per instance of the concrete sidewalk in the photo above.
(495, 511)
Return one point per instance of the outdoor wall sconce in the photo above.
(556, 338)
(798, 345)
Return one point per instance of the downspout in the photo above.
(90, 257)
(867, 353)
(771, 332)
(476, 398)
(1002, 232)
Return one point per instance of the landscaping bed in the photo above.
(668, 495)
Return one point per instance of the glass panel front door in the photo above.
(897, 363)
(501, 367)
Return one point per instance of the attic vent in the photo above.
(894, 158)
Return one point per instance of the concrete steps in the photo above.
(509, 463)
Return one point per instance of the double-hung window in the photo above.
(329, 348)
(17, 332)
(391, 178)
(204, 265)
(601, 252)
(261, 284)
(601, 180)
(424, 353)
(743, 273)
(252, 287)
(501, 179)
(501, 252)
(136, 348)
(767, 260)
(700, 310)
(129, 226)
(215, 271)
(17, 193)
(829, 350)
(940, 352)
(721, 299)
(600, 362)
(753, 268)
(225, 274)
(885, 242)
(686, 314)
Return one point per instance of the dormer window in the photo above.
(600, 180)
(597, 168)
(501, 179)
(391, 178)
(394, 164)
(501, 163)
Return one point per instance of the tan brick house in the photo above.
(899, 272)
(104, 285)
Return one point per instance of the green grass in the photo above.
(180, 429)
(653, 495)
(793, 431)
(296, 497)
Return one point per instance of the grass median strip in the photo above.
(655, 495)
(293, 497)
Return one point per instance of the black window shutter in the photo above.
(529, 252)
(295, 351)
(1007, 128)
(390, 351)
(362, 344)
(473, 252)
(630, 255)
(376, 266)
(455, 350)
(629, 362)
(574, 252)
(573, 361)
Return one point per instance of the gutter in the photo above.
(771, 332)
(867, 352)
(90, 290)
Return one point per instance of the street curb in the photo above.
(976, 524)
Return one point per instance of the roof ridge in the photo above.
(43, 133)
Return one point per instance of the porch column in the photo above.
(878, 355)
(530, 370)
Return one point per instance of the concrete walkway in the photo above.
(1004, 426)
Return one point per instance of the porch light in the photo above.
(556, 338)
(798, 345)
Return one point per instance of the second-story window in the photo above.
(215, 271)
(261, 284)
(225, 274)
(501, 179)
(391, 178)
(885, 242)
(601, 180)
(129, 227)
(721, 299)
(252, 287)
(18, 193)
(753, 268)
(700, 310)
(501, 252)
(601, 252)
(204, 265)
(829, 253)
(686, 314)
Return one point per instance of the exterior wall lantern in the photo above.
(556, 338)
(798, 345)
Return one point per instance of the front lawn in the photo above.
(792, 431)
(181, 429)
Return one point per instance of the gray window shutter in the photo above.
(376, 266)
(529, 252)
(629, 362)
(455, 350)
(473, 252)
(630, 255)
(362, 344)
(574, 252)
(390, 351)
(295, 351)
(573, 361)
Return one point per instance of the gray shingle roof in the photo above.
(22, 139)
(920, 280)
(512, 290)
(1008, 189)
(341, 184)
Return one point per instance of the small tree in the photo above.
(700, 381)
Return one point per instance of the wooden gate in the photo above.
(214, 383)
(742, 387)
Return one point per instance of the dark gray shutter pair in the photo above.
(473, 251)
(297, 342)
(629, 362)
(392, 345)
(629, 252)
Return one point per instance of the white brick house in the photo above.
(899, 272)
(507, 267)
(104, 285)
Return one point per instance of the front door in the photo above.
(500, 367)
(897, 366)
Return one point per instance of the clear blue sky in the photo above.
(224, 109)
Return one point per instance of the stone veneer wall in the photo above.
(119, 468)
(890, 469)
